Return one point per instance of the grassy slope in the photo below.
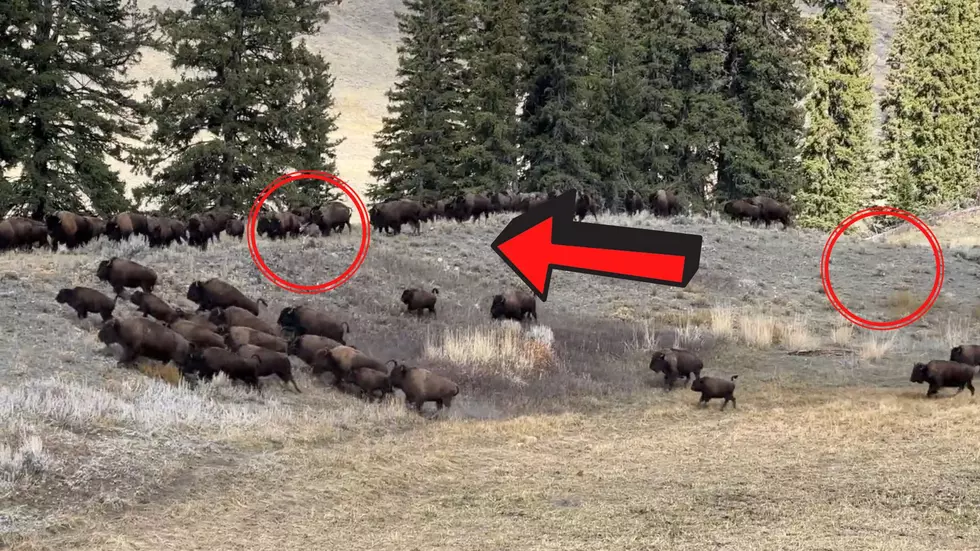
(360, 43)
(561, 438)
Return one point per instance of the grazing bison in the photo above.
(68, 229)
(215, 293)
(419, 300)
(22, 232)
(121, 273)
(235, 228)
(144, 337)
(331, 217)
(270, 363)
(713, 387)
(304, 320)
(233, 315)
(633, 202)
(126, 224)
(968, 354)
(771, 210)
(514, 305)
(944, 374)
(149, 304)
(665, 203)
(675, 363)
(85, 301)
(742, 210)
(209, 361)
(196, 334)
(421, 385)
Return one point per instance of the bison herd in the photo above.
(73, 230)
(227, 334)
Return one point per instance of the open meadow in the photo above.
(561, 436)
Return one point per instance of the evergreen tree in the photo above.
(554, 125)
(837, 154)
(613, 106)
(253, 103)
(765, 69)
(932, 105)
(488, 160)
(66, 105)
(420, 139)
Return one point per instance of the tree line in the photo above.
(711, 99)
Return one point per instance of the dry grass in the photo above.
(506, 349)
(168, 373)
(757, 330)
(24, 458)
(902, 303)
(842, 333)
(583, 482)
(794, 334)
(876, 346)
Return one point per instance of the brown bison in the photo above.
(675, 363)
(68, 229)
(24, 233)
(514, 305)
(771, 210)
(421, 386)
(121, 273)
(207, 362)
(149, 304)
(419, 300)
(968, 354)
(85, 301)
(278, 225)
(742, 210)
(144, 337)
(665, 203)
(331, 217)
(390, 216)
(233, 315)
(632, 202)
(304, 320)
(944, 374)
(215, 293)
(713, 387)
(126, 224)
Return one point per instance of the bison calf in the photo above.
(369, 381)
(944, 374)
(270, 363)
(85, 300)
(419, 300)
(713, 387)
(210, 361)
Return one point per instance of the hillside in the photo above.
(561, 437)
(360, 44)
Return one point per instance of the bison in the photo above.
(713, 387)
(665, 203)
(144, 337)
(675, 363)
(234, 315)
(331, 217)
(215, 293)
(419, 300)
(121, 273)
(514, 305)
(304, 320)
(944, 374)
(85, 300)
(421, 385)
(968, 354)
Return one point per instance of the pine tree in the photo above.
(420, 139)
(253, 103)
(66, 105)
(932, 106)
(838, 152)
(613, 107)
(554, 126)
(765, 66)
(488, 160)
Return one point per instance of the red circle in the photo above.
(361, 211)
(937, 285)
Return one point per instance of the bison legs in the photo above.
(82, 312)
(728, 399)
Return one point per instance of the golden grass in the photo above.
(503, 348)
(902, 303)
(842, 333)
(795, 334)
(788, 469)
(757, 330)
(875, 346)
(165, 372)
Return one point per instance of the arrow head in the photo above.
(525, 244)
